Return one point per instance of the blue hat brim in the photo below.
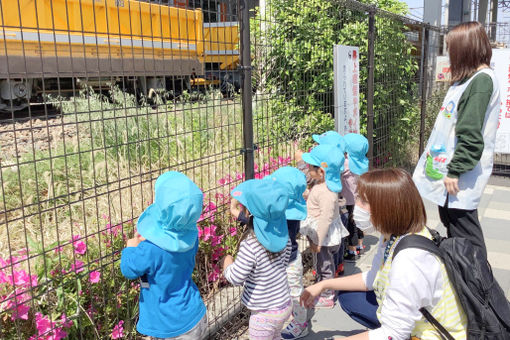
(316, 138)
(358, 167)
(149, 227)
(309, 159)
(273, 235)
(296, 210)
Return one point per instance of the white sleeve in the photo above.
(369, 276)
(415, 281)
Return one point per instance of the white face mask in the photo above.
(362, 219)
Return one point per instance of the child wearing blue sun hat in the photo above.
(334, 138)
(356, 164)
(331, 138)
(323, 225)
(263, 257)
(162, 254)
(294, 181)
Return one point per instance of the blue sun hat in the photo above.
(330, 138)
(171, 221)
(357, 148)
(267, 202)
(294, 182)
(331, 159)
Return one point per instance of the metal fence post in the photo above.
(423, 84)
(370, 85)
(246, 86)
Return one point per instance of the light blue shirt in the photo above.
(171, 305)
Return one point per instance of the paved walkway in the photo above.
(494, 214)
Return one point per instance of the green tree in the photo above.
(293, 66)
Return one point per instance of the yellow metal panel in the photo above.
(221, 38)
(221, 44)
(129, 19)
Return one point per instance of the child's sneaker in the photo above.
(295, 330)
(326, 303)
(360, 249)
(339, 270)
(351, 257)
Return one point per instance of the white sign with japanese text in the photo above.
(346, 88)
(500, 63)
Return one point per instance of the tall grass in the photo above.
(108, 167)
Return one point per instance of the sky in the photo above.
(416, 9)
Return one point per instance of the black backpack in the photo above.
(483, 300)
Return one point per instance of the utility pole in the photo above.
(459, 11)
(482, 11)
(494, 20)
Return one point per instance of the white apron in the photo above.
(431, 169)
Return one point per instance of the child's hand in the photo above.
(226, 261)
(310, 295)
(235, 208)
(135, 241)
(298, 155)
(306, 193)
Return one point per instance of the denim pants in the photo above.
(361, 307)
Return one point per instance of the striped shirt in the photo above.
(265, 279)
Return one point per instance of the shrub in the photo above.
(293, 66)
(74, 288)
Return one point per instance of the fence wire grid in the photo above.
(98, 98)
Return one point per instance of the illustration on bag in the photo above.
(435, 167)
(448, 109)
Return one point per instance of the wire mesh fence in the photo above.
(100, 97)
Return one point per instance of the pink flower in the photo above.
(220, 197)
(221, 181)
(59, 249)
(21, 312)
(91, 311)
(77, 266)
(200, 232)
(118, 330)
(210, 207)
(80, 247)
(94, 276)
(76, 237)
(58, 333)
(43, 324)
(4, 278)
(66, 323)
(216, 240)
(218, 252)
(214, 275)
(21, 278)
(209, 232)
(233, 231)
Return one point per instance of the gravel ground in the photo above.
(32, 135)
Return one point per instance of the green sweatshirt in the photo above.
(468, 130)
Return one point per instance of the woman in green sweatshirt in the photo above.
(457, 161)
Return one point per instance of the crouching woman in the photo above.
(387, 299)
